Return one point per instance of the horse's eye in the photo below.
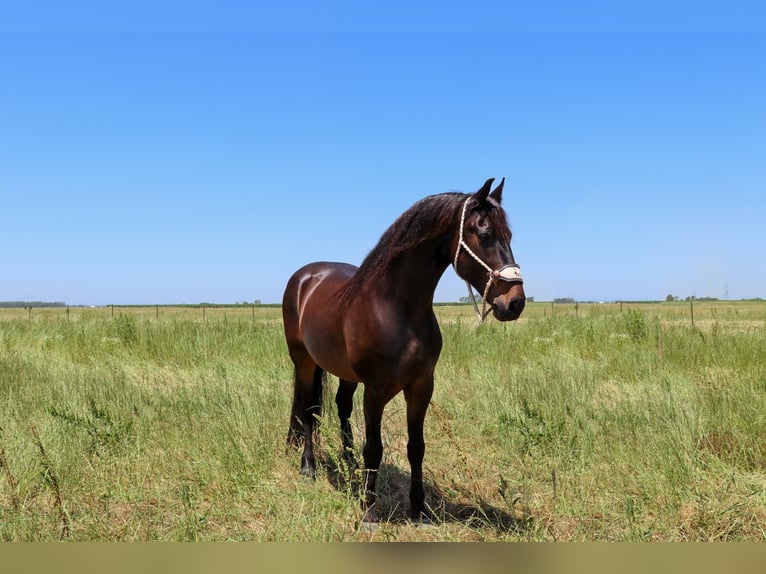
(485, 238)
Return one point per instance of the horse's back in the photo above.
(322, 278)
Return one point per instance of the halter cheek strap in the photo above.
(510, 273)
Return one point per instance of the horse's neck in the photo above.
(411, 280)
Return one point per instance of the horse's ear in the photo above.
(497, 193)
(481, 196)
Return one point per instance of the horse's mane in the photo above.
(428, 218)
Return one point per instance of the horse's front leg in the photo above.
(418, 396)
(344, 399)
(373, 450)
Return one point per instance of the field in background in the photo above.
(678, 312)
(578, 422)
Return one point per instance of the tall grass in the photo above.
(587, 424)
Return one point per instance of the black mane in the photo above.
(429, 217)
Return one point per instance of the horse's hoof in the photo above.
(424, 519)
(370, 527)
(424, 524)
(308, 473)
(370, 521)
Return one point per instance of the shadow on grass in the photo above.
(462, 507)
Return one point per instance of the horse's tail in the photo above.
(295, 434)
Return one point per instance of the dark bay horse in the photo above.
(375, 324)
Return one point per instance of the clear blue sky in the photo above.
(191, 151)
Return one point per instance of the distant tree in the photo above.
(671, 297)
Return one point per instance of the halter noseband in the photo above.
(510, 273)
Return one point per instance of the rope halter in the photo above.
(510, 273)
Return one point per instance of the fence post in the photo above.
(691, 306)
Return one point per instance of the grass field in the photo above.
(587, 422)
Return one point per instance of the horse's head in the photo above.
(483, 255)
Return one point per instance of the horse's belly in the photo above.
(329, 352)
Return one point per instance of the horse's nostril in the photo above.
(511, 310)
(518, 304)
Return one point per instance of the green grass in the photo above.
(574, 423)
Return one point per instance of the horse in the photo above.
(374, 324)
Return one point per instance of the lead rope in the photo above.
(480, 315)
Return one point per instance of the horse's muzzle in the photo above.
(508, 309)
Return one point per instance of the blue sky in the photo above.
(181, 153)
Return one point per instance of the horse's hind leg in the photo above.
(307, 404)
(295, 431)
(344, 399)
